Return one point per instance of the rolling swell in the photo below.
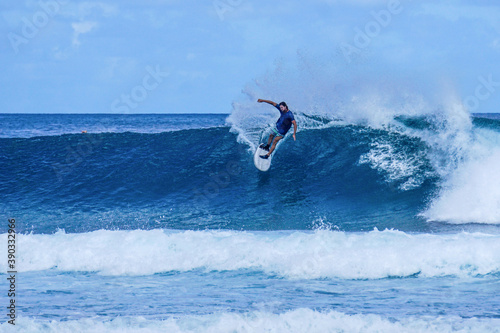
(348, 177)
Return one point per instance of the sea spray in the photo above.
(291, 255)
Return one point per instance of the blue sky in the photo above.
(172, 56)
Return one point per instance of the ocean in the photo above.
(161, 223)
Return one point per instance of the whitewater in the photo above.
(291, 255)
(377, 221)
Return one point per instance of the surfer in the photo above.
(282, 126)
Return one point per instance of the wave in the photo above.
(291, 255)
(354, 176)
(446, 139)
(300, 320)
(201, 177)
(410, 144)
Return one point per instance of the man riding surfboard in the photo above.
(283, 124)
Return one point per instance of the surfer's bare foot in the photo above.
(265, 147)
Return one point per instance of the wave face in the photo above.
(353, 177)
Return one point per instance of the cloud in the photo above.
(80, 28)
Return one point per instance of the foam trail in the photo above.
(293, 255)
(300, 320)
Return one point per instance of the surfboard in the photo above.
(260, 163)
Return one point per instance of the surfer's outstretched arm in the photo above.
(266, 101)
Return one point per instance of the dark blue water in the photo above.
(181, 177)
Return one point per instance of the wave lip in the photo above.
(292, 255)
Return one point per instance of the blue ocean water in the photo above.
(161, 223)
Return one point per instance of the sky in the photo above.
(184, 56)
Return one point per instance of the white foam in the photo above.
(398, 166)
(471, 193)
(293, 255)
(300, 320)
(466, 158)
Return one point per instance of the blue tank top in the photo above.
(285, 121)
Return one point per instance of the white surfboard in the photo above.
(260, 163)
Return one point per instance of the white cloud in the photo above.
(80, 28)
